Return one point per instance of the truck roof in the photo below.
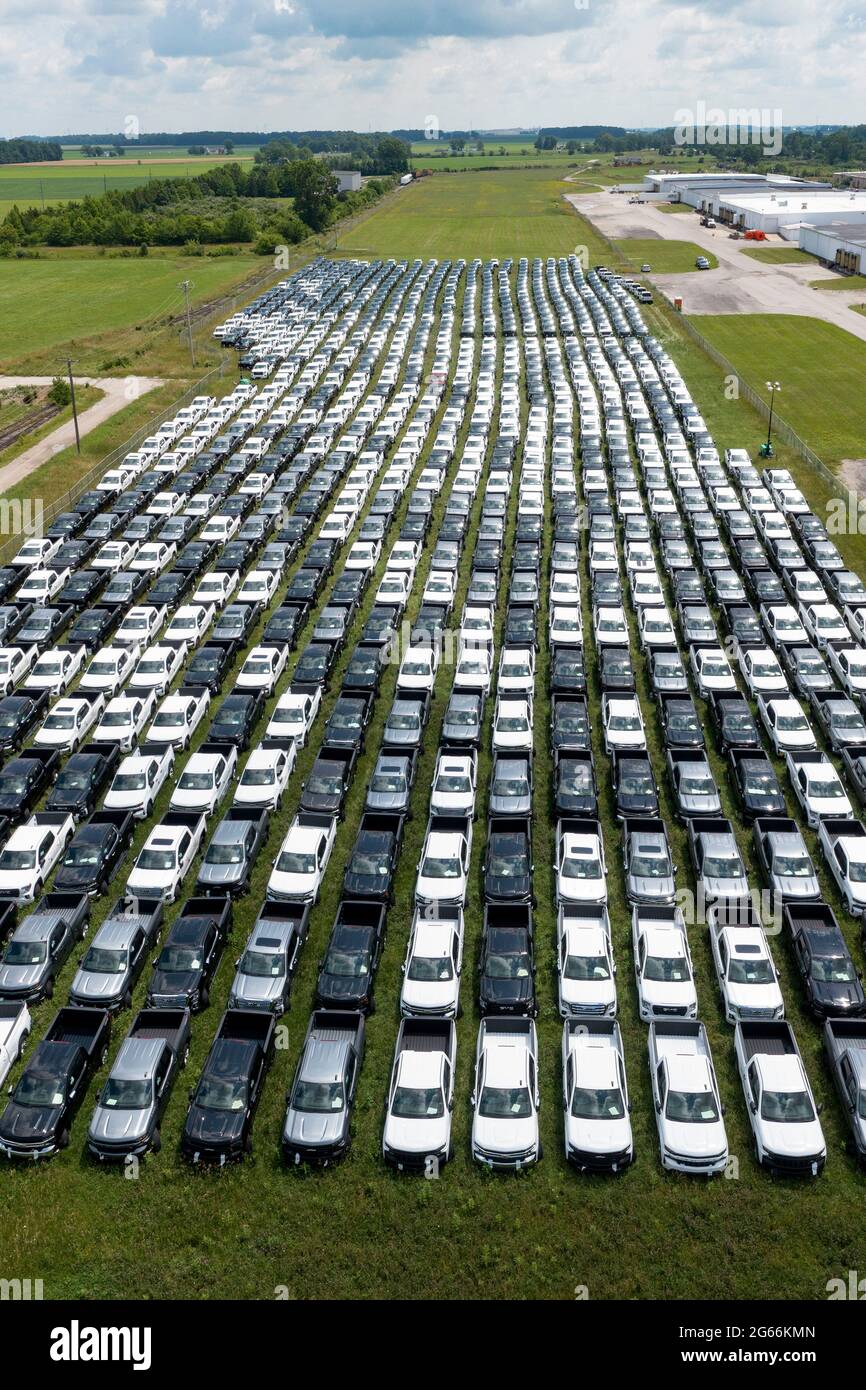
(137, 1058)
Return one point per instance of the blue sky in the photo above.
(371, 64)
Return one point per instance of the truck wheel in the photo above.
(37, 888)
(103, 1056)
(248, 1144)
(156, 1142)
(63, 1139)
(49, 990)
(204, 997)
(126, 1002)
(22, 1044)
(185, 1058)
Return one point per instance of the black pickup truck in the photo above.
(219, 1122)
(184, 969)
(94, 852)
(37, 1119)
(373, 860)
(347, 972)
(83, 779)
(24, 779)
(327, 783)
(830, 978)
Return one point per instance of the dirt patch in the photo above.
(852, 472)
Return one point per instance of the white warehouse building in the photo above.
(782, 212)
(841, 244)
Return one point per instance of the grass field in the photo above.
(665, 256)
(513, 213)
(98, 306)
(821, 369)
(779, 255)
(673, 207)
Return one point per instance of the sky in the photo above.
(163, 65)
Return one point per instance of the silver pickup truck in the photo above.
(317, 1127)
(131, 1103)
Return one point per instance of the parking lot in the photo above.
(437, 747)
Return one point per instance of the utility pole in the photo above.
(186, 288)
(74, 410)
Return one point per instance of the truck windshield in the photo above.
(505, 1103)
(38, 1090)
(833, 970)
(347, 964)
(597, 1105)
(692, 1107)
(126, 1095)
(262, 963)
(215, 1093)
(25, 953)
(430, 968)
(13, 859)
(104, 962)
(669, 969)
(156, 859)
(418, 1104)
(787, 1107)
(586, 968)
(750, 972)
(318, 1097)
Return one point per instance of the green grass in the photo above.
(85, 396)
(512, 213)
(839, 282)
(820, 368)
(665, 256)
(673, 207)
(779, 255)
(99, 307)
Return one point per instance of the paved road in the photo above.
(740, 284)
(116, 395)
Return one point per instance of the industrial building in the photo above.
(841, 244)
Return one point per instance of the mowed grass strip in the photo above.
(665, 257)
(778, 255)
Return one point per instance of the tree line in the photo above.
(225, 204)
(26, 151)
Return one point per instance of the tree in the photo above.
(458, 144)
(59, 393)
(315, 193)
(229, 146)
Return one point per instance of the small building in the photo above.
(841, 244)
(348, 180)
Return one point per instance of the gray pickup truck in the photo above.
(40, 945)
(845, 1052)
(317, 1127)
(131, 1103)
(115, 958)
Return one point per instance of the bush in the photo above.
(59, 393)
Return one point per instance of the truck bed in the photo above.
(246, 1025)
(139, 910)
(425, 1035)
(326, 1026)
(169, 1024)
(809, 917)
(61, 907)
(679, 1037)
(767, 1039)
(81, 1026)
(849, 1033)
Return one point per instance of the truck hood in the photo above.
(309, 1131)
(695, 1140)
(112, 1126)
(666, 994)
(654, 890)
(700, 805)
(796, 889)
(172, 983)
(20, 978)
(221, 875)
(599, 1136)
(348, 990)
(505, 1136)
(506, 993)
(96, 987)
(424, 1136)
(28, 1124)
(257, 989)
(219, 1128)
(588, 994)
(387, 801)
(75, 878)
(726, 889)
(429, 995)
(846, 997)
(793, 1140)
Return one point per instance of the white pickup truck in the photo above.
(417, 1133)
(662, 963)
(745, 969)
(598, 1133)
(788, 1137)
(584, 961)
(506, 1096)
(32, 852)
(15, 1025)
(167, 856)
(689, 1111)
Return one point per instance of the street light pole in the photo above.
(74, 410)
(772, 387)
